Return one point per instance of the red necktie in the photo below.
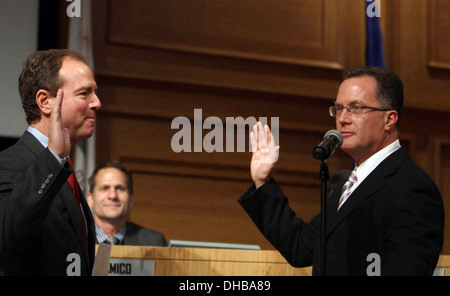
(76, 192)
(74, 183)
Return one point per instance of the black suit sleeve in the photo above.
(137, 235)
(269, 209)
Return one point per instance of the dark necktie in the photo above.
(73, 183)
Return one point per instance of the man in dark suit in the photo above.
(44, 229)
(111, 198)
(387, 219)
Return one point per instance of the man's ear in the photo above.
(391, 118)
(89, 200)
(44, 101)
(131, 198)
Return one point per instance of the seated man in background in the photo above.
(111, 197)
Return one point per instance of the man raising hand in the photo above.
(42, 222)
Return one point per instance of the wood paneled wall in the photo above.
(157, 60)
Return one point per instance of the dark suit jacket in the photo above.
(136, 235)
(40, 220)
(396, 212)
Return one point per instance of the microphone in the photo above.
(332, 140)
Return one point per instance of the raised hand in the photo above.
(265, 154)
(59, 136)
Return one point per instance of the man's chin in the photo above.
(112, 218)
(347, 149)
(89, 132)
(84, 136)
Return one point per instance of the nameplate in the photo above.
(131, 267)
(439, 272)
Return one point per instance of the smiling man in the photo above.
(389, 210)
(45, 221)
(111, 198)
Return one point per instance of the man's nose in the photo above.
(95, 103)
(112, 193)
(344, 116)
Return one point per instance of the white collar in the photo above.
(364, 169)
(43, 139)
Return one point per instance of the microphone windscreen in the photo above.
(335, 133)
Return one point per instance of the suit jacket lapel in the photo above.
(90, 225)
(77, 219)
(364, 191)
(74, 211)
(367, 189)
(32, 143)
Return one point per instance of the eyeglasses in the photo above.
(353, 109)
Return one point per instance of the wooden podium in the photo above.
(167, 261)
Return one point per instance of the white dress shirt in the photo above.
(365, 168)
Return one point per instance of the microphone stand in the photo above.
(323, 151)
(324, 177)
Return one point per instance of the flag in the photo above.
(374, 36)
(80, 40)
